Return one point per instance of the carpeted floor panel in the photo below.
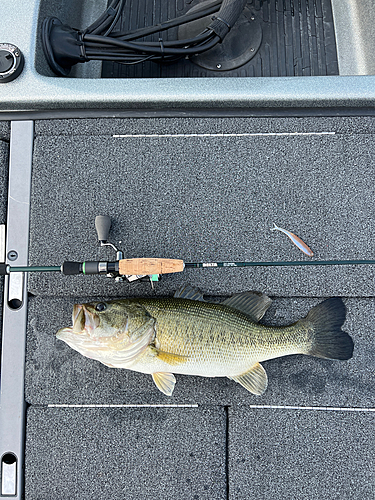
(206, 198)
(56, 374)
(281, 453)
(127, 453)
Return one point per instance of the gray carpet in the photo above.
(4, 153)
(108, 126)
(305, 454)
(56, 374)
(148, 453)
(4, 130)
(202, 198)
(207, 198)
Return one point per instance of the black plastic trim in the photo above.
(59, 114)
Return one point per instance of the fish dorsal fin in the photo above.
(189, 292)
(165, 382)
(254, 304)
(254, 380)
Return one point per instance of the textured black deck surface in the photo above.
(144, 453)
(204, 190)
(55, 374)
(4, 152)
(300, 454)
(201, 197)
(297, 40)
(4, 130)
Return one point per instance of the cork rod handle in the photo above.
(150, 266)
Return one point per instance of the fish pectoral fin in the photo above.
(189, 292)
(165, 382)
(254, 304)
(169, 357)
(254, 380)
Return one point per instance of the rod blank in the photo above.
(146, 266)
(279, 263)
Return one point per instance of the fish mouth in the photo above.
(84, 321)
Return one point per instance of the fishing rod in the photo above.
(145, 269)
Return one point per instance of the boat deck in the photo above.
(200, 189)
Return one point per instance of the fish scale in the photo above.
(217, 340)
(186, 335)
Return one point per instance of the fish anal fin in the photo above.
(254, 304)
(165, 382)
(254, 380)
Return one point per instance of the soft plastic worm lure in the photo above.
(297, 241)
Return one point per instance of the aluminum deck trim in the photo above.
(12, 403)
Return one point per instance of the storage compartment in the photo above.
(271, 38)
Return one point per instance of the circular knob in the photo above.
(11, 62)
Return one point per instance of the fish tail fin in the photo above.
(328, 340)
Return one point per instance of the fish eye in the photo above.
(100, 307)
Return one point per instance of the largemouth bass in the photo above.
(187, 335)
